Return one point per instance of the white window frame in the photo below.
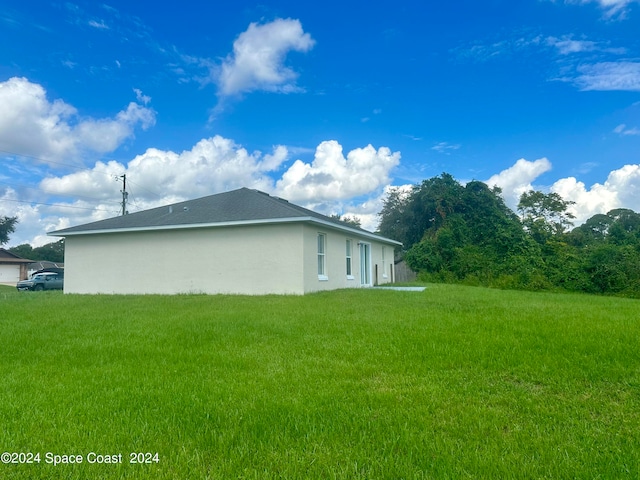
(366, 265)
(322, 256)
(384, 264)
(349, 259)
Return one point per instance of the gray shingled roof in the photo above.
(238, 206)
(7, 257)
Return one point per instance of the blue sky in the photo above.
(326, 104)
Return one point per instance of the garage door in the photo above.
(9, 273)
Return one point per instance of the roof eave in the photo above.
(355, 231)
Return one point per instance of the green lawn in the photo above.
(453, 382)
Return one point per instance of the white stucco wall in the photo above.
(336, 264)
(245, 259)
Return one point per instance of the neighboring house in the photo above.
(44, 266)
(12, 267)
(244, 241)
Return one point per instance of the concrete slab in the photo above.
(403, 289)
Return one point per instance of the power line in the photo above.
(145, 189)
(80, 169)
(45, 160)
(41, 190)
(55, 205)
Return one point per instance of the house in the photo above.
(12, 267)
(45, 266)
(243, 241)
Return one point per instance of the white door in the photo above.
(365, 264)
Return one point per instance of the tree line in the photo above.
(52, 252)
(466, 233)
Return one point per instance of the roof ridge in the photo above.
(300, 209)
(241, 206)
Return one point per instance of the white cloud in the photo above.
(98, 182)
(368, 211)
(589, 201)
(612, 8)
(34, 219)
(273, 162)
(625, 182)
(331, 183)
(623, 130)
(257, 62)
(567, 45)
(105, 135)
(213, 165)
(142, 98)
(620, 190)
(32, 125)
(483, 52)
(623, 76)
(517, 179)
(445, 147)
(99, 25)
(331, 176)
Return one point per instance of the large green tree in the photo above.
(23, 250)
(7, 227)
(406, 216)
(456, 230)
(52, 252)
(620, 226)
(545, 215)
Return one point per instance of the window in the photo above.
(322, 261)
(349, 249)
(384, 264)
(365, 264)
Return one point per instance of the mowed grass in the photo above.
(453, 382)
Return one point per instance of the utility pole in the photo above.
(125, 195)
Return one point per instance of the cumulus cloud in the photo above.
(332, 176)
(620, 190)
(98, 182)
(31, 124)
(518, 178)
(332, 183)
(212, 165)
(35, 219)
(257, 62)
(105, 135)
(589, 201)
